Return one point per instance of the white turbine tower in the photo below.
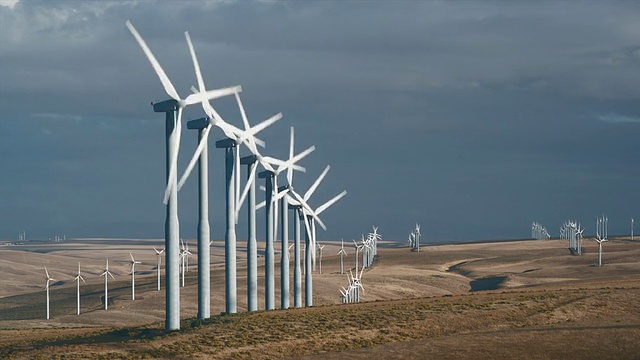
(106, 273)
(631, 229)
(49, 279)
(376, 237)
(133, 276)
(320, 248)
(173, 115)
(342, 254)
(184, 258)
(77, 279)
(357, 248)
(601, 235)
(159, 262)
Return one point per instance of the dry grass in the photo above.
(551, 305)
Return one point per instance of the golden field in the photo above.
(534, 300)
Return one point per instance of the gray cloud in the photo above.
(474, 118)
(616, 119)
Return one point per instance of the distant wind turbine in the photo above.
(106, 273)
(342, 254)
(159, 256)
(49, 279)
(77, 279)
(320, 248)
(133, 276)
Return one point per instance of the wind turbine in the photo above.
(173, 115)
(133, 276)
(357, 248)
(159, 256)
(601, 235)
(49, 279)
(270, 203)
(418, 233)
(184, 257)
(579, 239)
(357, 283)
(77, 279)
(106, 273)
(376, 237)
(631, 229)
(342, 254)
(320, 248)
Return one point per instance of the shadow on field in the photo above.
(488, 283)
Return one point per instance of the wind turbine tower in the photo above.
(204, 232)
(230, 234)
(133, 276)
(320, 249)
(284, 257)
(342, 254)
(297, 271)
(49, 280)
(77, 279)
(106, 273)
(159, 256)
(269, 280)
(252, 245)
(601, 235)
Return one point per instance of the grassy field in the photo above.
(547, 304)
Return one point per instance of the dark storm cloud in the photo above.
(473, 118)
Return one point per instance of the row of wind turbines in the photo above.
(539, 232)
(284, 197)
(368, 247)
(106, 273)
(414, 238)
(573, 231)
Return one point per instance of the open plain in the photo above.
(518, 299)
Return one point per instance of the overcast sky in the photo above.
(472, 118)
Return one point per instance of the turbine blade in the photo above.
(174, 160)
(313, 187)
(263, 125)
(261, 204)
(196, 156)
(196, 65)
(291, 146)
(326, 205)
(247, 187)
(245, 121)
(211, 95)
(164, 79)
(308, 228)
(236, 174)
(298, 157)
